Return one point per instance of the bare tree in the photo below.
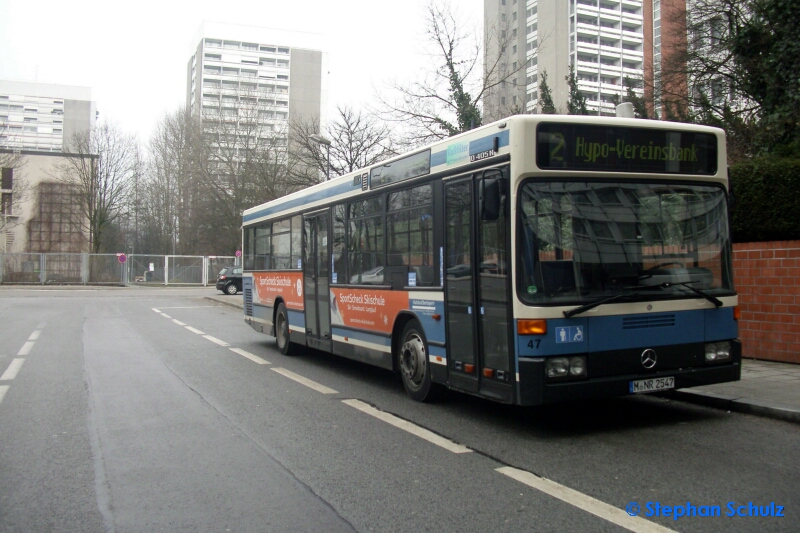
(448, 98)
(358, 140)
(171, 186)
(241, 161)
(101, 171)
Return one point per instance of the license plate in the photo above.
(652, 385)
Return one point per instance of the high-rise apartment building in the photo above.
(274, 73)
(39, 212)
(43, 117)
(606, 41)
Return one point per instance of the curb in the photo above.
(738, 405)
(236, 303)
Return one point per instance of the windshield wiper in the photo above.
(686, 284)
(666, 285)
(583, 308)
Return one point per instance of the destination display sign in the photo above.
(624, 149)
(412, 166)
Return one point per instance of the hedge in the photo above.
(766, 200)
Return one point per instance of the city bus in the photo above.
(534, 260)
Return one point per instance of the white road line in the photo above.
(35, 335)
(193, 307)
(305, 381)
(12, 370)
(405, 425)
(165, 315)
(3, 391)
(195, 330)
(584, 502)
(156, 310)
(178, 322)
(216, 340)
(26, 348)
(254, 358)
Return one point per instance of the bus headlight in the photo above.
(557, 367)
(718, 351)
(577, 366)
(566, 367)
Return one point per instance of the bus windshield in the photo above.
(584, 241)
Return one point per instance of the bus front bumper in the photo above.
(535, 389)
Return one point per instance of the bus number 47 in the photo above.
(534, 343)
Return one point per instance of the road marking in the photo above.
(216, 340)
(584, 502)
(26, 348)
(305, 381)
(195, 330)
(35, 335)
(12, 370)
(156, 310)
(250, 356)
(3, 391)
(409, 427)
(165, 315)
(178, 322)
(193, 307)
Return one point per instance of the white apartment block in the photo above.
(43, 117)
(279, 72)
(605, 40)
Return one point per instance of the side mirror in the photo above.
(491, 194)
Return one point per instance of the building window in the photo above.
(283, 50)
(268, 49)
(213, 43)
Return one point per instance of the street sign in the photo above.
(121, 258)
(238, 253)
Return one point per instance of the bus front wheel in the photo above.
(285, 346)
(412, 360)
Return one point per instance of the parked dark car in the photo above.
(229, 280)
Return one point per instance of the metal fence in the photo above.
(111, 269)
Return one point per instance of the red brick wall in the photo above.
(767, 278)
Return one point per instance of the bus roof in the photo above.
(460, 150)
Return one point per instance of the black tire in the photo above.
(285, 346)
(231, 289)
(413, 364)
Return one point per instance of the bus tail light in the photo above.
(737, 313)
(488, 373)
(469, 369)
(532, 327)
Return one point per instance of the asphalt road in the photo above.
(138, 409)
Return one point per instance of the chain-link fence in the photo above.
(111, 269)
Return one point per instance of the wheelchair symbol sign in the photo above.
(569, 334)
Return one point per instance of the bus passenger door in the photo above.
(477, 286)
(316, 272)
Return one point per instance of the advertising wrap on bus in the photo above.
(288, 285)
(376, 310)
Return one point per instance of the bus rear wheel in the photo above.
(412, 361)
(285, 346)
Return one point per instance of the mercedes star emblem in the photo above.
(649, 358)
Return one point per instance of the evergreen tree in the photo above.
(577, 101)
(546, 97)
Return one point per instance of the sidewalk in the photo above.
(766, 389)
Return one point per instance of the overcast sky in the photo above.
(134, 56)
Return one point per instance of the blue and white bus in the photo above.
(537, 259)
